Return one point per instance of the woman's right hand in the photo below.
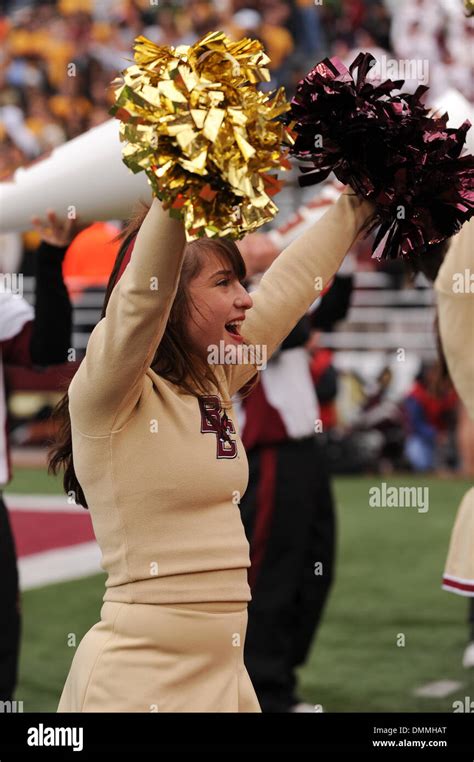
(57, 232)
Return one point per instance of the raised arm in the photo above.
(110, 379)
(297, 277)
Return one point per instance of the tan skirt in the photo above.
(459, 572)
(155, 658)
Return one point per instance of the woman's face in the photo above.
(218, 303)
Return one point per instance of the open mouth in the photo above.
(234, 329)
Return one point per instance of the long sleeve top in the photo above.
(161, 482)
(455, 297)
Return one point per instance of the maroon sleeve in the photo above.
(16, 351)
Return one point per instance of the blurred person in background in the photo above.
(309, 28)
(88, 263)
(270, 30)
(428, 409)
(288, 507)
(379, 424)
(28, 338)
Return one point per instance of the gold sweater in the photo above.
(161, 488)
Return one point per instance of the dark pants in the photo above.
(288, 515)
(10, 607)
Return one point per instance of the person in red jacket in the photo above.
(426, 413)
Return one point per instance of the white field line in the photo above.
(59, 565)
(438, 689)
(50, 503)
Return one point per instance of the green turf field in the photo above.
(387, 585)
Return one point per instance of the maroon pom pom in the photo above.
(388, 148)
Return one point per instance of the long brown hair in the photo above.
(174, 359)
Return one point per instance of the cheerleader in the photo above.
(150, 445)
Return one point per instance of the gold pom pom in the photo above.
(207, 138)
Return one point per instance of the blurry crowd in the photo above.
(369, 427)
(59, 57)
